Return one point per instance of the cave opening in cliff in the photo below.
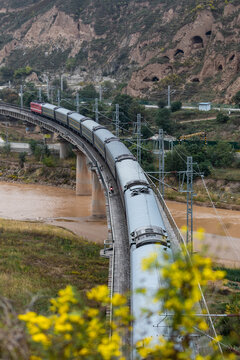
(155, 79)
(197, 40)
(232, 57)
(179, 51)
(220, 67)
(196, 80)
(208, 33)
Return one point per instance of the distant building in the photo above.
(204, 106)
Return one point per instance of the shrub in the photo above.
(175, 106)
(222, 118)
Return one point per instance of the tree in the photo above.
(7, 148)
(161, 103)
(22, 158)
(222, 118)
(88, 92)
(146, 132)
(221, 155)
(124, 101)
(236, 98)
(163, 120)
(176, 105)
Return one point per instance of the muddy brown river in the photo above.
(61, 207)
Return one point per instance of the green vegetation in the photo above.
(236, 98)
(41, 259)
(22, 72)
(222, 118)
(220, 155)
(175, 106)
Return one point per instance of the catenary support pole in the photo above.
(139, 138)
(161, 161)
(21, 95)
(96, 110)
(77, 102)
(117, 120)
(189, 174)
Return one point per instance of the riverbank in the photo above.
(225, 194)
(42, 259)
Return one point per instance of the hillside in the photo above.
(191, 45)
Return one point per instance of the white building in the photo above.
(204, 106)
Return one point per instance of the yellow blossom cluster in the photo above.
(74, 331)
(78, 332)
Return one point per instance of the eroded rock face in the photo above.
(149, 45)
(201, 44)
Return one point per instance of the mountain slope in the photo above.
(192, 46)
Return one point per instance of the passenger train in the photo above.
(146, 230)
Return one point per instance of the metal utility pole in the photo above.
(161, 161)
(96, 110)
(52, 95)
(169, 96)
(47, 89)
(58, 97)
(40, 94)
(139, 138)
(61, 82)
(100, 93)
(21, 95)
(117, 120)
(77, 102)
(189, 174)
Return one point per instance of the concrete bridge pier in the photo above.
(98, 198)
(83, 176)
(63, 149)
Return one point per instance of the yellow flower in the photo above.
(118, 300)
(99, 293)
(41, 338)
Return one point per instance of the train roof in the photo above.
(129, 172)
(76, 116)
(142, 209)
(63, 111)
(104, 134)
(90, 124)
(49, 106)
(117, 148)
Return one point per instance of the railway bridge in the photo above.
(94, 177)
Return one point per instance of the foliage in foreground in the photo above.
(74, 331)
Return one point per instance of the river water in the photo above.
(52, 205)
(59, 206)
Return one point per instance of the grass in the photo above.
(226, 174)
(231, 274)
(41, 259)
(219, 297)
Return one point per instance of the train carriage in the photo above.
(129, 172)
(74, 121)
(88, 127)
(61, 115)
(101, 137)
(116, 151)
(147, 324)
(48, 110)
(36, 107)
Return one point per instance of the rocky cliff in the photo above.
(191, 45)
